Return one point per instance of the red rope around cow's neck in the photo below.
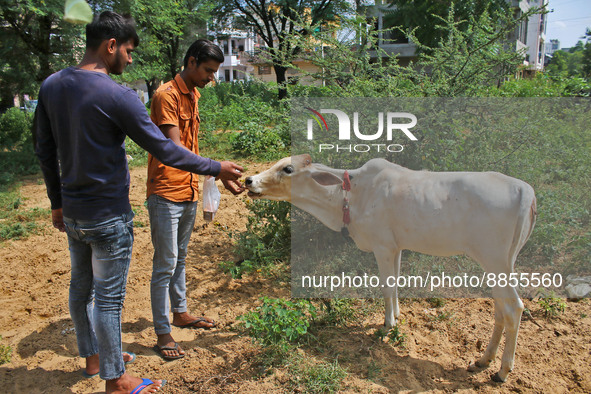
(347, 182)
(346, 188)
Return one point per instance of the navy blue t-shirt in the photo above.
(81, 121)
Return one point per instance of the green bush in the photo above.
(15, 129)
(139, 156)
(337, 311)
(543, 85)
(279, 321)
(267, 239)
(250, 109)
(222, 109)
(551, 305)
(260, 142)
(16, 148)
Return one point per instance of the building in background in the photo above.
(244, 51)
(391, 43)
(529, 36)
(552, 46)
(535, 57)
(236, 45)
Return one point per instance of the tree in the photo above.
(36, 42)
(465, 61)
(36, 39)
(574, 62)
(423, 15)
(277, 22)
(166, 29)
(587, 55)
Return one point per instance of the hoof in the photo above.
(477, 366)
(497, 378)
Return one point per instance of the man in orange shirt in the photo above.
(173, 194)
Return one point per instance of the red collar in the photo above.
(346, 188)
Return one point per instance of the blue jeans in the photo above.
(100, 253)
(171, 224)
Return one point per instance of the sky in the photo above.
(568, 21)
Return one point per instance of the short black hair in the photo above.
(109, 25)
(203, 50)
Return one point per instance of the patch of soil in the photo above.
(35, 322)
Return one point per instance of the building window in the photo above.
(264, 70)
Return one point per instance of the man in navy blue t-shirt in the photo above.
(81, 122)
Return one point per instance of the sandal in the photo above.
(160, 351)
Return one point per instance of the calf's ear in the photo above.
(326, 178)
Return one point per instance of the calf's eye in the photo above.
(288, 169)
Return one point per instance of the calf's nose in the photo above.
(248, 181)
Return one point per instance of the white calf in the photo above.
(487, 216)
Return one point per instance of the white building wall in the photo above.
(536, 38)
(234, 44)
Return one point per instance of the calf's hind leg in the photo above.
(508, 309)
(493, 344)
(513, 308)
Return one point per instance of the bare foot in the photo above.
(167, 341)
(93, 366)
(126, 383)
(184, 319)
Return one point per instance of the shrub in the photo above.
(139, 157)
(258, 141)
(262, 122)
(279, 321)
(337, 311)
(551, 305)
(15, 129)
(267, 238)
(16, 147)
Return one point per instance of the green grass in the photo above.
(15, 221)
(310, 377)
(5, 353)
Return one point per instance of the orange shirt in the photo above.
(174, 104)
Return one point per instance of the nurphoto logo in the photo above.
(395, 122)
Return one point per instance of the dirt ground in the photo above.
(35, 322)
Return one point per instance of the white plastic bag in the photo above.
(77, 11)
(211, 198)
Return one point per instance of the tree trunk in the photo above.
(6, 100)
(44, 45)
(152, 85)
(173, 50)
(280, 72)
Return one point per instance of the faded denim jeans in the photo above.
(100, 253)
(171, 224)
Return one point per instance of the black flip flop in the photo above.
(159, 350)
(198, 320)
